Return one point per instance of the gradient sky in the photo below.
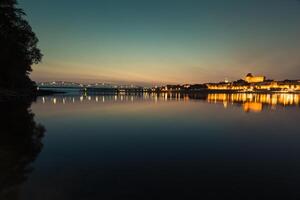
(165, 41)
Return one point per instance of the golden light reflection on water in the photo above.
(253, 106)
(255, 102)
(250, 102)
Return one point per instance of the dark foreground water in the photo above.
(216, 146)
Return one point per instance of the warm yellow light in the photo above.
(254, 102)
(255, 107)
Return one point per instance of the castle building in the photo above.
(257, 83)
(254, 79)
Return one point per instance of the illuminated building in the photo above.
(257, 83)
(254, 79)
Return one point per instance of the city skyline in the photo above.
(159, 42)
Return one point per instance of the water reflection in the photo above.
(250, 102)
(20, 144)
(255, 102)
(168, 146)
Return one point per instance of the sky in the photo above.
(150, 42)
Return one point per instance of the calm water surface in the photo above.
(216, 146)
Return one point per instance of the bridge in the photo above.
(94, 89)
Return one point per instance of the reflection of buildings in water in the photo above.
(60, 99)
(253, 106)
(255, 102)
(250, 101)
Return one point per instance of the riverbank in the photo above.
(6, 95)
(227, 92)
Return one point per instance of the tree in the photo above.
(18, 48)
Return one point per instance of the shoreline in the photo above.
(6, 95)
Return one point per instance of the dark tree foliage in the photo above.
(18, 48)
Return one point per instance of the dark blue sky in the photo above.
(165, 40)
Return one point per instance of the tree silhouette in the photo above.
(18, 49)
(20, 144)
